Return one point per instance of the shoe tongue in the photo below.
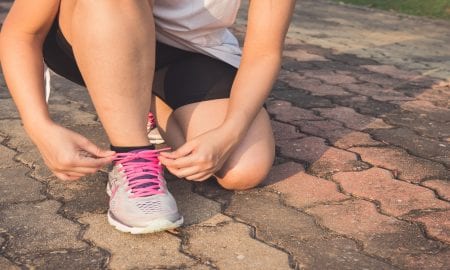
(145, 176)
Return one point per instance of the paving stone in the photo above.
(70, 260)
(7, 265)
(310, 246)
(71, 114)
(429, 109)
(440, 186)
(376, 92)
(437, 224)
(299, 189)
(419, 123)
(303, 55)
(16, 187)
(392, 71)
(38, 228)
(135, 251)
(17, 138)
(416, 145)
(314, 86)
(283, 131)
(380, 235)
(293, 65)
(356, 138)
(8, 110)
(229, 246)
(367, 106)
(301, 99)
(437, 95)
(396, 197)
(323, 159)
(404, 166)
(81, 197)
(212, 190)
(7, 158)
(193, 207)
(439, 260)
(351, 119)
(379, 79)
(285, 112)
(330, 77)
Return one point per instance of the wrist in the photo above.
(37, 125)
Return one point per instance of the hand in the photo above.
(69, 155)
(199, 158)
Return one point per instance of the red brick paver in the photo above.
(437, 224)
(442, 187)
(396, 197)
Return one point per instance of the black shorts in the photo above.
(183, 77)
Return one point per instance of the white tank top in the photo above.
(199, 26)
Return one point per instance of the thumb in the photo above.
(94, 150)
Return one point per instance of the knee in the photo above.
(240, 179)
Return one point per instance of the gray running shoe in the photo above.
(139, 199)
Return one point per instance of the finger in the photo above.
(200, 176)
(89, 162)
(184, 150)
(84, 170)
(94, 150)
(179, 163)
(186, 172)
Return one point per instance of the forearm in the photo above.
(22, 67)
(251, 87)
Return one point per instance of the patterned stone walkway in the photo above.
(362, 123)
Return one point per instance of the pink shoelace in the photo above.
(150, 122)
(142, 170)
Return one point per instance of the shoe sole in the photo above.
(156, 225)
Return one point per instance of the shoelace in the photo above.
(142, 170)
(150, 122)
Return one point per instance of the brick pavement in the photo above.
(361, 179)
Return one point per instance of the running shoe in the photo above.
(152, 131)
(139, 199)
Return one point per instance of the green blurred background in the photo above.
(439, 9)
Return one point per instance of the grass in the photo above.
(439, 9)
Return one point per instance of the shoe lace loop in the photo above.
(142, 170)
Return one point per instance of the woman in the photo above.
(176, 58)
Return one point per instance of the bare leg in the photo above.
(114, 45)
(250, 162)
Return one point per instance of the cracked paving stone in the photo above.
(68, 260)
(297, 233)
(396, 197)
(380, 235)
(283, 131)
(284, 111)
(300, 189)
(352, 119)
(403, 165)
(8, 110)
(356, 138)
(136, 251)
(7, 265)
(230, 246)
(16, 187)
(416, 145)
(440, 186)
(38, 228)
(419, 123)
(193, 207)
(437, 224)
(87, 195)
(323, 159)
(302, 99)
(7, 158)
